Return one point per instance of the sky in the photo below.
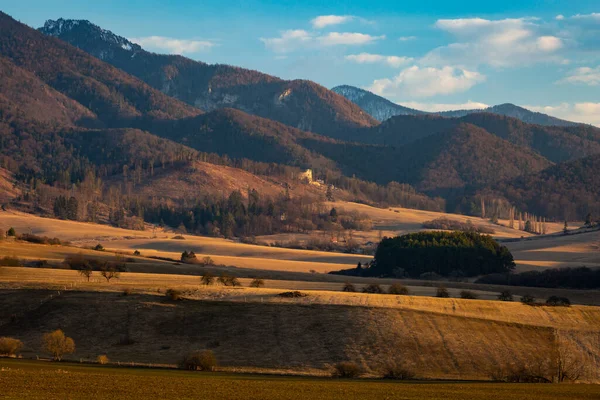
(431, 55)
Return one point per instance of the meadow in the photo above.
(32, 380)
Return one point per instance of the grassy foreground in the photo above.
(21, 379)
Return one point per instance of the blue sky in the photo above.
(432, 55)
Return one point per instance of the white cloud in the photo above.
(347, 38)
(587, 113)
(406, 38)
(292, 40)
(438, 107)
(560, 17)
(426, 82)
(593, 16)
(289, 40)
(171, 45)
(323, 21)
(585, 75)
(367, 58)
(500, 43)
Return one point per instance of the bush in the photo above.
(442, 292)
(505, 295)
(397, 371)
(349, 287)
(57, 344)
(178, 237)
(228, 280)
(528, 299)
(557, 301)
(208, 261)
(199, 361)
(294, 294)
(207, 279)
(173, 294)
(99, 247)
(10, 262)
(11, 232)
(9, 346)
(27, 237)
(398, 289)
(137, 253)
(188, 257)
(468, 295)
(102, 359)
(373, 288)
(346, 369)
(257, 282)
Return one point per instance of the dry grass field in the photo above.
(32, 380)
(251, 328)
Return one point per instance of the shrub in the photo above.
(199, 361)
(102, 359)
(349, 287)
(188, 257)
(395, 370)
(399, 289)
(468, 295)
(207, 279)
(208, 261)
(373, 288)
(10, 262)
(442, 292)
(178, 237)
(11, 232)
(228, 280)
(257, 282)
(528, 299)
(137, 253)
(27, 237)
(346, 369)
(57, 344)
(293, 294)
(505, 295)
(9, 346)
(173, 294)
(99, 247)
(558, 301)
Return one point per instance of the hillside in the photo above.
(301, 104)
(378, 107)
(552, 142)
(565, 191)
(462, 156)
(115, 97)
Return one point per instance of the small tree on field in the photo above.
(207, 261)
(346, 369)
(207, 279)
(109, 271)
(57, 344)
(199, 361)
(11, 232)
(528, 299)
(373, 288)
(566, 228)
(257, 282)
(348, 287)
(398, 289)
(442, 292)
(505, 295)
(9, 346)
(86, 272)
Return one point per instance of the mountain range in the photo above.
(382, 109)
(76, 99)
